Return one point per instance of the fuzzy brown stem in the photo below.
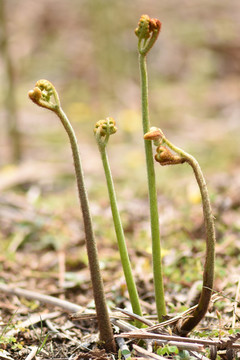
(187, 324)
(105, 329)
(41, 95)
(208, 275)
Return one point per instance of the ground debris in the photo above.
(93, 354)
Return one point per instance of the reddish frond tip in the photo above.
(153, 135)
(165, 157)
(35, 95)
(155, 24)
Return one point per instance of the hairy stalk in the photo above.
(10, 89)
(165, 157)
(208, 275)
(41, 95)
(103, 129)
(147, 32)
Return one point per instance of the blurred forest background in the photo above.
(88, 50)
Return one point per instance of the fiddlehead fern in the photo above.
(165, 157)
(45, 95)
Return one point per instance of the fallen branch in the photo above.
(181, 345)
(152, 336)
(51, 300)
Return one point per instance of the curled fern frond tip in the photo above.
(35, 95)
(46, 87)
(155, 25)
(42, 93)
(165, 157)
(44, 84)
(105, 127)
(147, 32)
(153, 134)
(143, 29)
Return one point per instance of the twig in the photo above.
(86, 314)
(219, 293)
(171, 321)
(135, 316)
(80, 315)
(59, 334)
(181, 345)
(184, 346)
(138, 358)
(125, 352)
(32, 353)
(123, 325)
(198, 356)
(146, 354)
(31, 321)
(66, 305)
(145, 335)
(54, 330)
(5, 355)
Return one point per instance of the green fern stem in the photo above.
(131, 286)
(155, 232)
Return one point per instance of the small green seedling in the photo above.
(103, 129)
(9, 340)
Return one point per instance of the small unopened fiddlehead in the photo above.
(147, 32)
(42, 94)
(154, 134)
(165, 157)
(102, 131)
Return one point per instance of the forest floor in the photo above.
(43, 250)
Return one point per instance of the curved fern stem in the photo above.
(42, 94)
